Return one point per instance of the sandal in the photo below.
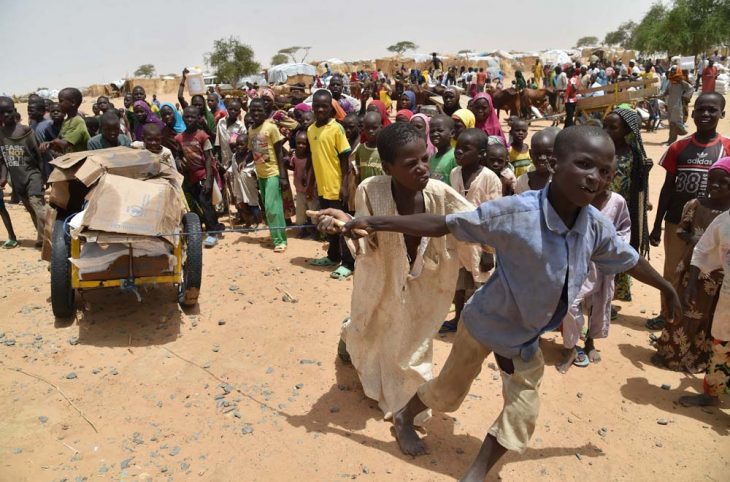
(341, 273)
(280, 249)
(322, 262)
(210, 241)
(656, 323)
(581, 359)
(10, 244)
(448, 327)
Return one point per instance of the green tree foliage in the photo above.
(401, 47)
(279, 59)
(586, 42)
(231, 60)
(146, 70)
(621, 36)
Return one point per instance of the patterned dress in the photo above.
(687, 345)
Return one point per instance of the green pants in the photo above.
(274, 207)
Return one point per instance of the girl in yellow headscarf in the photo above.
(463, 119)
(384, 95)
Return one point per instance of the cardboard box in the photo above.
(88, 166)
(142, 266)
(130, 206)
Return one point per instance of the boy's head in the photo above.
(307, 119)
(403, 154)
(152, 137)
(241, 144)
(257, 109)
(7, 111)
(542, 148)
(471, 147)
(92, 125)
(302, 143)
(70, 99)
(128, 100)
(212, 101)
(248, 119)
(708, 110)
(56, 113)
(519, 131)
(109, 125)
(372, 124)
(441, 131)
(138, 93)
(199, 102)
(496, 158)
(234, 109)
(103, 104)
(322, 106)
(451, 98)
(336, 86)
(36, 109)
(95, 108)
(351, 125)
(191, 114)
(584, 163)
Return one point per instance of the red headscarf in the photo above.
(404, 113)
(383, 112)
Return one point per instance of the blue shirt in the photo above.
(537, 256)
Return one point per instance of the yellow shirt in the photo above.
(327, 143)
(261, 141)
(521, 162)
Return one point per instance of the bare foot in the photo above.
(593, 355)
(408, 440)
(568, 359)
(702, 400)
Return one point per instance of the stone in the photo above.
(43, 419)
(299, 386)
(114, 371)
(103, 469)
(137, 438)
(334, 409)
(247, 429)
(71, 376)
(307, 362)
(269, 371)
(662, 421)
(216, 348)
(9, 342)
(578, 456)
(74, 340)
(666, 386)
(579, 395)
(175, 450)
(221, 322)
(124, 464)
(17, 450)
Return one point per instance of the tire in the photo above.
(192, 269)
(62, 294)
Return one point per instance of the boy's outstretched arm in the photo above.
(648, 275)
(664, 197)
(429, 225)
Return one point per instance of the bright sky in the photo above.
(55, 44)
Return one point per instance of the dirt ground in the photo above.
(248, 387)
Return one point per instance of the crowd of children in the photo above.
(523, 239)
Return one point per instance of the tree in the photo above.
(145, 70)
(621, 36)
(231, 60)
(290, 51)
(401, 47)
(586, 42)
(279, 59)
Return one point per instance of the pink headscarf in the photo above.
(723, 163)
(491, 124)
(302, 107)
(266, 92)
(430, 148)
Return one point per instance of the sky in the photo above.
(55, 44)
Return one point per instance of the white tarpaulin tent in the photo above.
(555, 57)
(280, 73)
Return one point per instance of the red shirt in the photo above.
(708, 79)
(193, 148)
(690, 162)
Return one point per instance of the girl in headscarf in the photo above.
(520, 80)
(423, 124)
(403, 115)
(408, 101)
(379, 106)
(486, 117)
(144, 115)
(384, 95)
(463, 119)
(631, 181)
(174, 125)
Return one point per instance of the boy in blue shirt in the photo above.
(538, 276)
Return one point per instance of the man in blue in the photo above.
(544, 242)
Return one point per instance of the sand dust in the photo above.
(294, 411)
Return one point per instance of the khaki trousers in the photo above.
(516, 424)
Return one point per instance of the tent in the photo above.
(555, 57)
(280, 73)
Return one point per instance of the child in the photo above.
(92, 125)
(198, 169)
(685, 346)
(330, 153)
(365, 158)
(305, 197)
(597, 291)
(443, 161)
(152, 141)
(264, 146)
(399, 299)
(12, 241)
(541, 153)
(497, 161)
(245, 187)
(351, 125)
(712, 253)
(144, 115)
(519, 153)
(22, 159)
(110, 134)
(686, 162)
(463, 119)
(534, 235)
(228, 130)
(73, 136)
(478, 185)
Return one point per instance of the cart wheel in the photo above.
(62, 294)
(192, 269)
